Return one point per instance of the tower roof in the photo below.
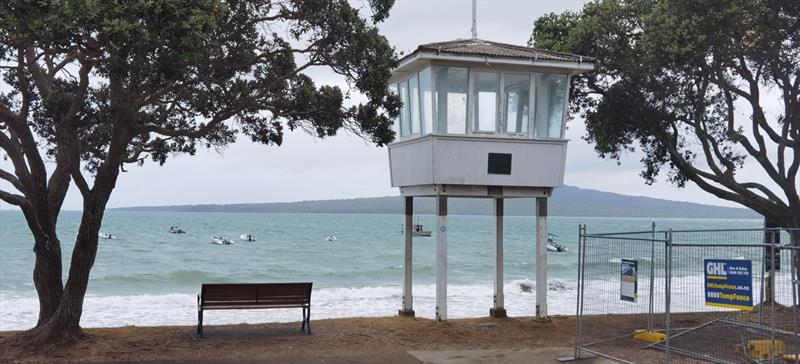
(479, 47)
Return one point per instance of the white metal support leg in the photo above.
(498, 311)
(441, 258)
(541, 258)
(408, 235)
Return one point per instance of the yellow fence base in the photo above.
(649, 336)
(762, 349)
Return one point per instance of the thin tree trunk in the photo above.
(47, 266)
(47, 278)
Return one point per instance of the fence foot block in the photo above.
(649, 336)
(567, 359)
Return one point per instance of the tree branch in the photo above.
(13, 199)
(188, 133)
(13, 180)
(758, 203)
(39, 77)
(80, 182)
(759, 154)
(79, 98)
(17, 159)
(23, 87)
(759, 118)
(753, 185)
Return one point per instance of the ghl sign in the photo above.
(729, 283)
(715, 269)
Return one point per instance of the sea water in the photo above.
(147, 276)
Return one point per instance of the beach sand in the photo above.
(373, 339)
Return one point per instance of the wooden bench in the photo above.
(242, 296)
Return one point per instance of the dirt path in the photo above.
(331, 339)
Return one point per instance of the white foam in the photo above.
(20, 313)
(601, 297)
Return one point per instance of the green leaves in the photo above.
(179, 73)
(673, 78)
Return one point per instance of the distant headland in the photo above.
(566, 201)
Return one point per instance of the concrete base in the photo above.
(546, 355)
(567, 359)
(405, 313)
(497, 313)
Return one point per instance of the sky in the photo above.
(346, 166)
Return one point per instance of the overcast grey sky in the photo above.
(345, 166)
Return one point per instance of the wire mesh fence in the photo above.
(722, 296)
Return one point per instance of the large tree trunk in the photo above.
(64, 324)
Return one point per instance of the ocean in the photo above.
(147, 276)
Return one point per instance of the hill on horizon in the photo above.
(566, 201)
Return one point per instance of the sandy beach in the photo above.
(369, 339)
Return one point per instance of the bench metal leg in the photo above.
(308, 321)
(303, 325)
(199, 323)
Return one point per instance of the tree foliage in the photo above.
(692, 84)
(94, 85)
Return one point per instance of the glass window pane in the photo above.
(551, 91)
(451, 99)
(413, 95)
(426, 102)
(405, 122)
(395, 121)
(486, 99)
(517, 89)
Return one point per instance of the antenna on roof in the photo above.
(474, 19)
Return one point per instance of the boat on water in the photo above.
(247, 237)
(553, 246)
(176, 230)
(106, 236)
(331, 238)
(221, 240)
(419, 231)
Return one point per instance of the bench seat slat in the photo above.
(243, 307)
(263, 303)
(252, 295)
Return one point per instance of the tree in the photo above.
(690, 82)
(92, 86)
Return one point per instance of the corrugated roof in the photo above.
(479, 47)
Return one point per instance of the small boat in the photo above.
(418, 231)
(176, 230)
(247, 237)
(220, 240)
(331, 238)
(555, 247)
(106, 236)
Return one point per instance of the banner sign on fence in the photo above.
(628, 282)
(729, 283)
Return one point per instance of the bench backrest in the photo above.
(226, 294)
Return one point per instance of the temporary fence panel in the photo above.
(724, 296)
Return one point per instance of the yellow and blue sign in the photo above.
(729, 283)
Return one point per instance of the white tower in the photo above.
(480, 119)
